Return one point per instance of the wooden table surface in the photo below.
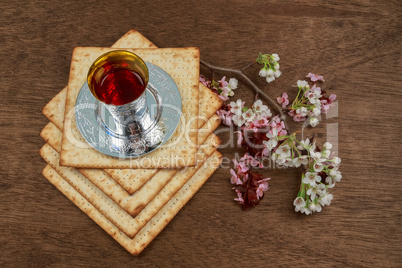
(356, 45)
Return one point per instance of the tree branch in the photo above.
(256, 89)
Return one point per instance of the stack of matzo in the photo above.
(133, 200)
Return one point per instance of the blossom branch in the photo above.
(263, 134)
(240, 73)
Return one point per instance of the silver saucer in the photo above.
(98, 128)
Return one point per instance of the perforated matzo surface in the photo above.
(132, 203)
(156, 224)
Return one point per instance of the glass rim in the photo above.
(140, 67)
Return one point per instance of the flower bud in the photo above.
(233, 83)
(263, 73)
(313, 121)
(328, 146)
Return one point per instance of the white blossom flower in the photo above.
(273, 134)
(316, 111)
(283, 151)
(336, 174)
(259, 106)
(304, 144)
(327, 146)
(302, 84)
(313, 97)
(299, 203)
(302, 111)
(311, 178)
(248, 115)
(275, 57)
(305, 211)
(270, 76)
(276, 66)
(315, 207)
(288, 162)
(317, 91)
(233, 83)
(313, 121)
(314, 100)
(318, 167)
(263, 72)
(266, 113)
(238, 120)
(325, 200)
(269, 79)
(270, 144)
(236, 107)
(315, 155)
(277, 73)
(336, 160)
(334, 177)
(321, 189)
(297, 162)
(325, 153)
(279, 160)
(314, 191)
(303, 159)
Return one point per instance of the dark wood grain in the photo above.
(356, 45)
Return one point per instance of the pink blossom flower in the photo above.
(265, 152)
(250, 126)
(279, 125)
(223, 82)
(313, 94)
(240, 137)
(256, 124)
(226, 117)
(262, 187)
(299, 118)
(283, 100)
(235, 179)
(316, 90)
(224, 95)
(248, 159)
(240, 166)
(224, 98)
(296, 117)
(324, 106)
(283, 132)
(239, 197)
(291, 113)
(332, 98)
(204, 81)
(315, 77)
(261, 122)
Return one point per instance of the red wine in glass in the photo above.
(118, 77)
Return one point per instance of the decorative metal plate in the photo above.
(98, 128)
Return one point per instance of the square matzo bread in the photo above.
(155, 224)
(182, 64)
(132, 202)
